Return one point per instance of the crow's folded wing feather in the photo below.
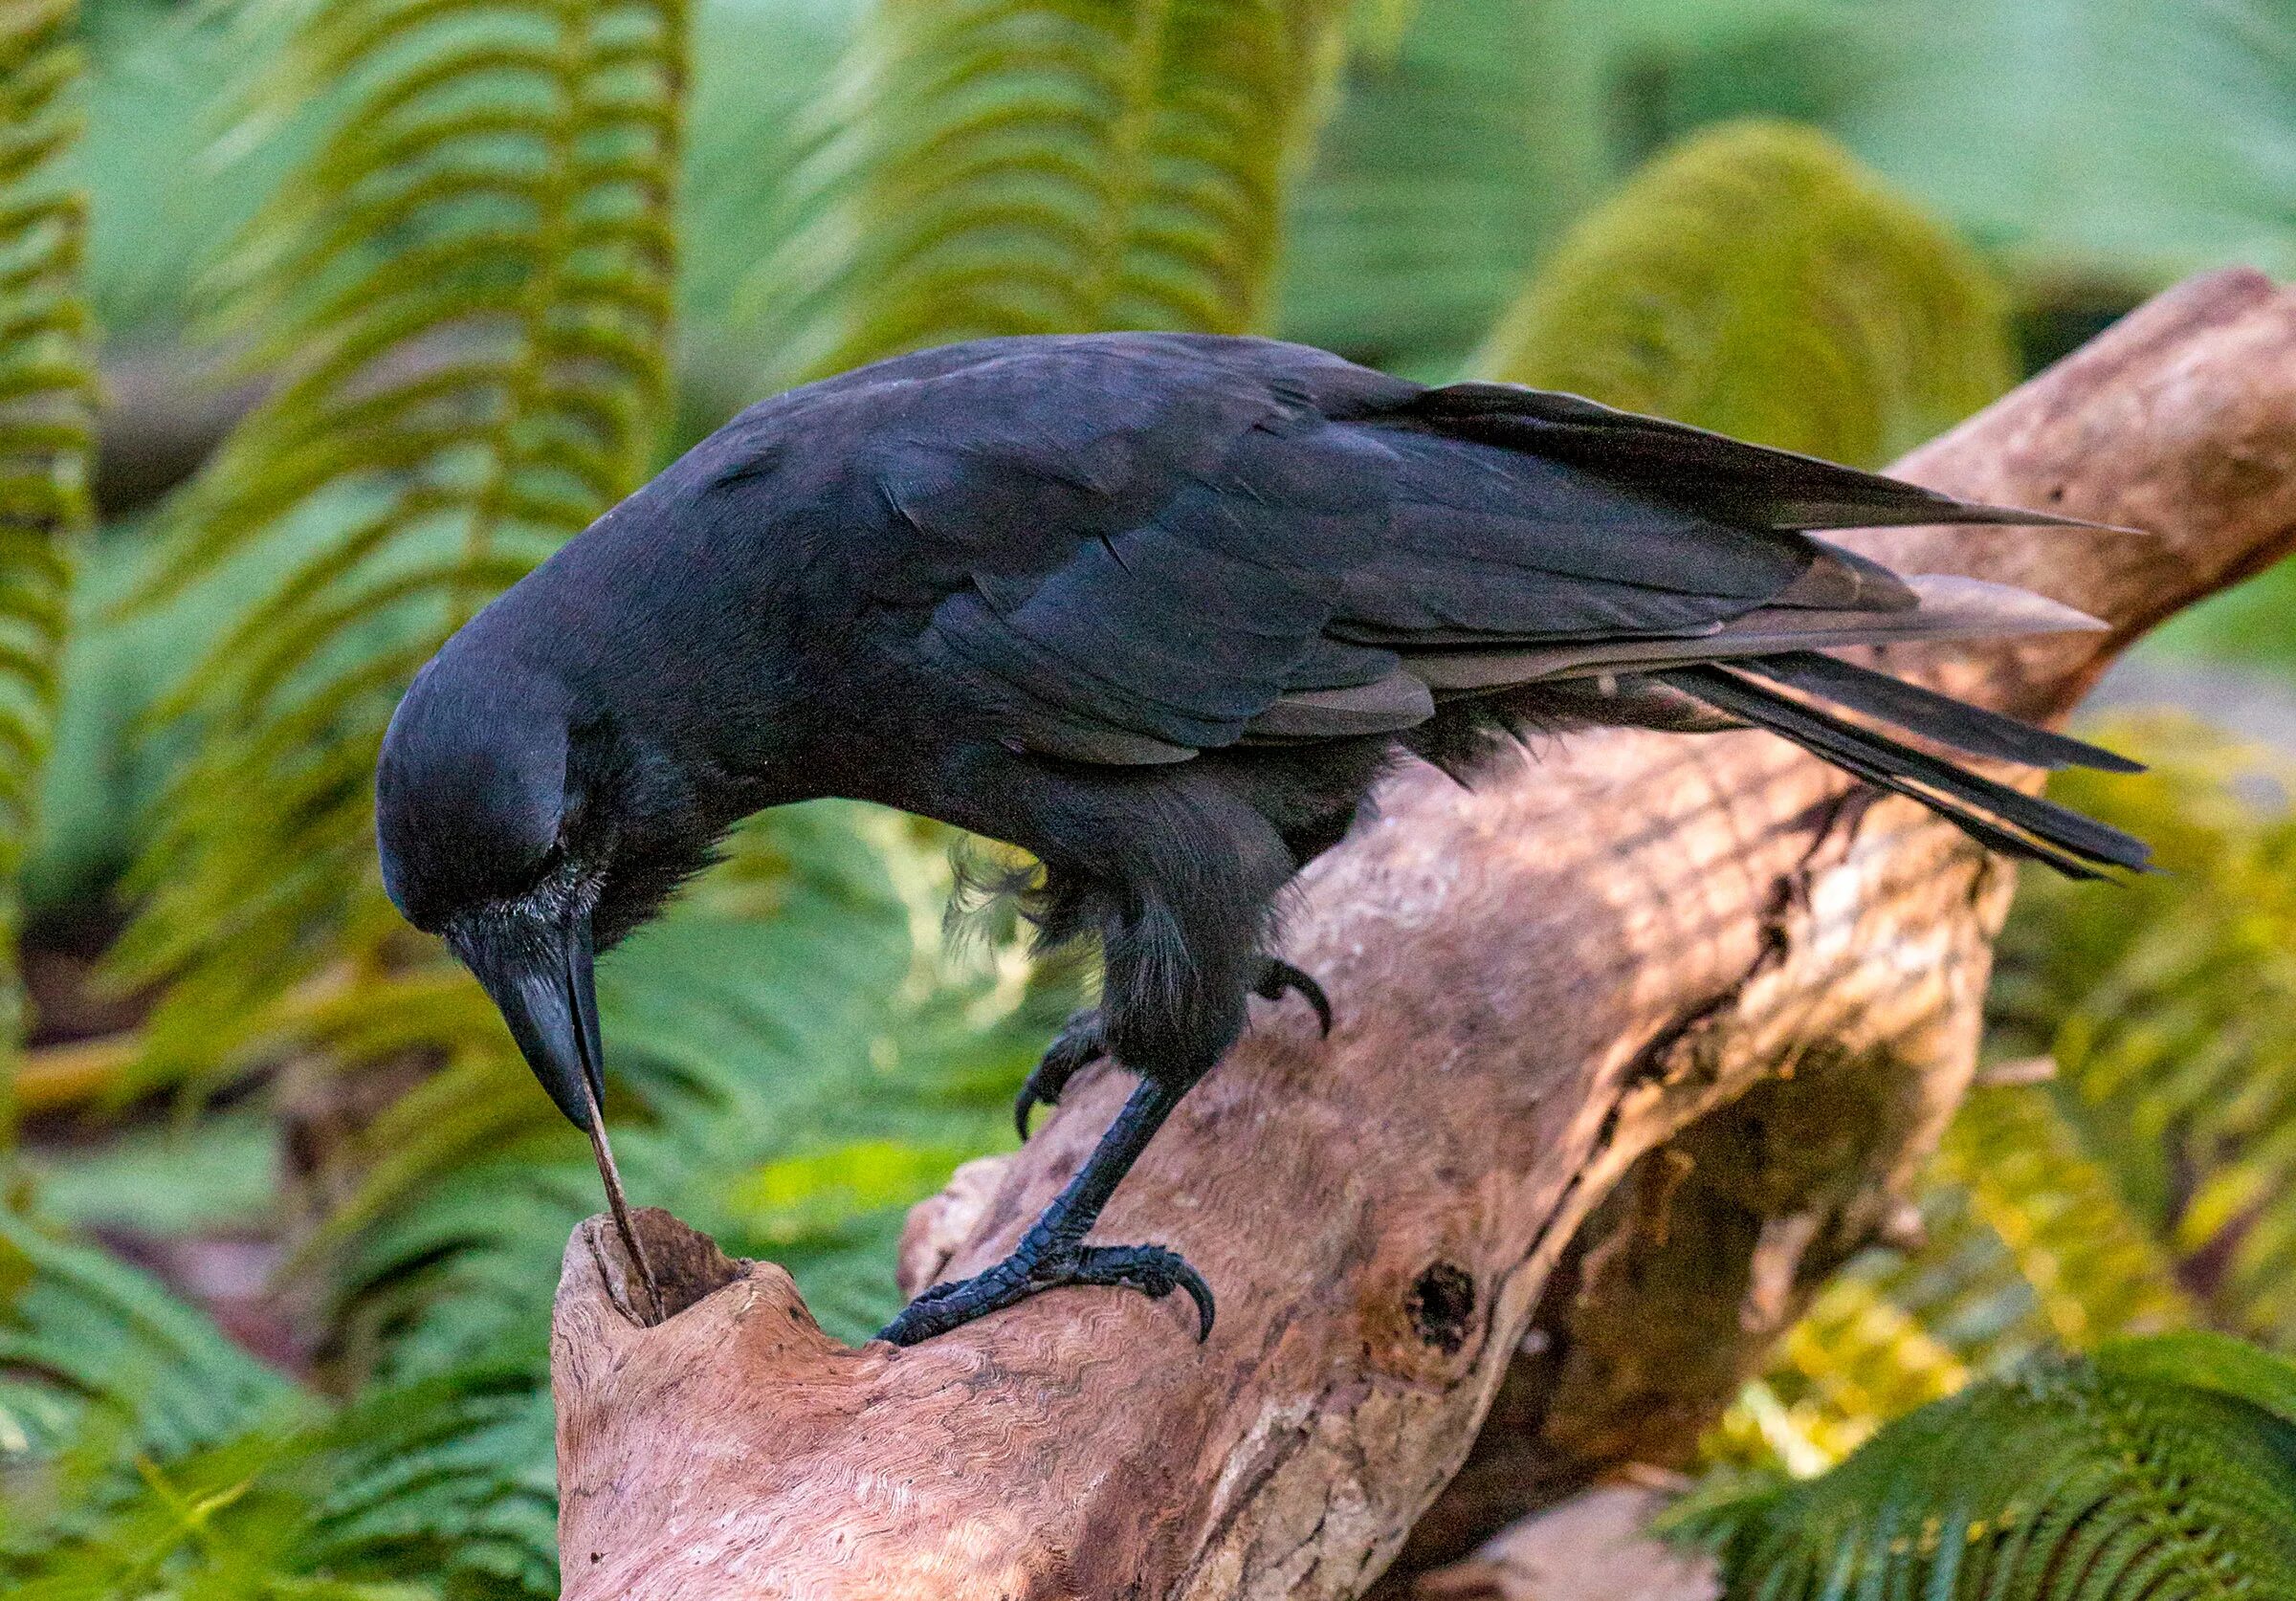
(1141, 546)
(1724, 478)
(1281, 590)
(1183, 628)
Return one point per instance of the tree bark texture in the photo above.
(1636, 1043)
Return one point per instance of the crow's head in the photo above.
(490, 837)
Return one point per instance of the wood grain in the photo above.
(1678, 1014)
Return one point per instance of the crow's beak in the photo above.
(538, 974)
(540, 979)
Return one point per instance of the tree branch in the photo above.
(1681, 1015)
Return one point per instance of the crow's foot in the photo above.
(1079, 1043)
(1277, 977)
(1153, 1270)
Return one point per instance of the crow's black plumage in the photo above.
(1161, 609)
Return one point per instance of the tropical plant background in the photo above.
(322, 319)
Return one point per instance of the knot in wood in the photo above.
(1441, 1303)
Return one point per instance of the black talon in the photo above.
(1279, 975)
(1154, 1270)
(1077, 1046)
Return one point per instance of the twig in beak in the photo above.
(619, 1204)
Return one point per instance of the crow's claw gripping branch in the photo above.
(1079, 1043)
(1052, 1254)
(1154, 1270)
(1279, 976)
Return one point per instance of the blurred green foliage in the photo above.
(2141, 1187)
(46, 390)
(800, 1057)
(988, 168)
(1758, 281)
(461, 293)
(497, 257)
(149, 1456)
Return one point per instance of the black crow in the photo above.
(1160, 610)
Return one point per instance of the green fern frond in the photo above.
(2030, 1243)
(1466, 136)
(2148, 1187)
(1012, 166)
(142, 1454)
(81, 1332)
(107, 1381)
(1759, 281)
(464, 296)
(455, 1476)
(2172, 1021)
(2096, 1269)
(1855, 1360)
(46, 429)
(2163, 1469)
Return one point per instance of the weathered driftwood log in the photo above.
(1678, 1016)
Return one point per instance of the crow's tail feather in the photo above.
(1997, 816)
(1932, 716)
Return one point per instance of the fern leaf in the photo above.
(452, 1477)
(1012, 166)
(46, 391)
(2163, 1469)
(2147, 1188)
(2030, 1243)
(1468, 134)
(2096, 1269)
(1859, 1358)
(146, 1454)
(464, 294)
(2172, 1019)
(81, 1330)
(106, 1375)
(1758, 280)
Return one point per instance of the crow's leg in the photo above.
(1180, 873)
(1052, 1253)
(1082, 1041)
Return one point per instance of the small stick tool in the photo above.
(619, 1204)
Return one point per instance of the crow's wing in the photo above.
(1148, 545)
(1292, 590)
(1061, 518)
(1145, 545)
